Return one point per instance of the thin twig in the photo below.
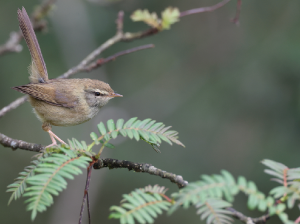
(86, 190)
(88, 206)
(13, 105)
(204, 9)
(138, 35)
(236, 19)
(102, 61)
(12, 44)
(240, 216)
(140, 167)
(285, 184)
(92, 56)
(119, 22)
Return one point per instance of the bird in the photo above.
(59, 102)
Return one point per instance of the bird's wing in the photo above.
(38, 70)
(48, 94)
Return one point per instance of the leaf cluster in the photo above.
(46, 178)
(142, 205)
(289, 190)
(168, 17)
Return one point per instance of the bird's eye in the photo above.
(97, 94)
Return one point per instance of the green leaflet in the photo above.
(148, 130)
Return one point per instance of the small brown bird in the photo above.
(59, 102)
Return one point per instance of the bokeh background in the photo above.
(231, 92)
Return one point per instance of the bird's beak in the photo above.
(116, 95)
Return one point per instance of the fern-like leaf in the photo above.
(213, 211)
(215, 186)
(19, 186)
(50, 177)
(278, 170)
(140, 206)
(289, 180)
(148, 130)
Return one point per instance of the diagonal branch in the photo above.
(140, 167)
(248, 220)
(13, 105)
(102, 61)
(204, 9)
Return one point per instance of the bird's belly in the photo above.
(61, 116)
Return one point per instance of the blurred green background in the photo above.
(231, 92)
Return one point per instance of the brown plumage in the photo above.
(59, 102)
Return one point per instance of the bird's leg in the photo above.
(47, 127)
(52, 135)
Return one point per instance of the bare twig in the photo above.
(88, 206)
(138, 35)
(102, 61)
(12, 44)
(140, 167)
(248, 220)
(119, 22)
(91, 57)
(19, 144)
(236, 19)
(204, 9)
(13, 105)
(85, 195)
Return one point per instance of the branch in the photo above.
(19, 144)
(248, 220)
(102, 61)
(86, 194)
(204, 9)
(236, 19)
(138, 35)
(140, 167)
(13, 105)
(12, 44)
